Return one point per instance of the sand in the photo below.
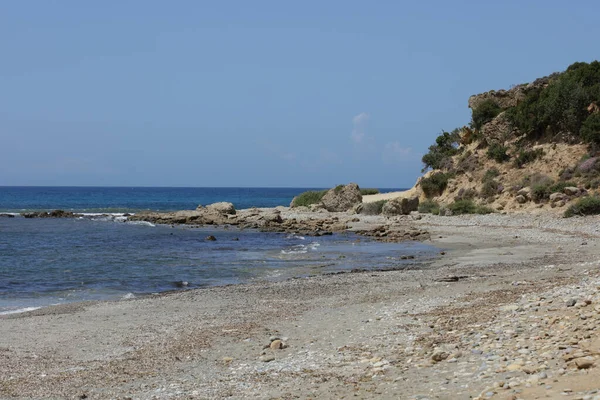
(357, 335)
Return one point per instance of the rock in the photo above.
(6, 216)
(439, 356)
(210, 238)
(266, 358)
(51, 214)
(584, 363)
(521, 199)
(571, 191)
(272, 216)
(402, 206)
(276, 345)
(571, 302)
(554, 197)
(221, 208)
(525, 192)
(342, 198)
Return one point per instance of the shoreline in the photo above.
(374, 334)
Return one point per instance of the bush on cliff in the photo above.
(307, 198)
(562, 106)
(435, 184)
(497, 152)
(484, 113)
(446, 146)
(590, 130)
(585, 206)
(527, 156)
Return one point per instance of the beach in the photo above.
(507, 309)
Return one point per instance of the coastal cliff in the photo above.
(531, 147)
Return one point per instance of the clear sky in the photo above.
(260, 93)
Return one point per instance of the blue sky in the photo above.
(261, 93)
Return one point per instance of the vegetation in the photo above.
(527, 156)
(559, 187)
(585, 206)
(490, 174)
(430, 207)
(367, 192)
(338, 189)
(373, 208)
(486, 112)
(497, 152)
(308, 198)
(540, 192)
(446, 146)
(435, 184)
(562, 106)
(468, 207)
(490, 188)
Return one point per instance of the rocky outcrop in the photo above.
(221, 208)
(402, 206)
(342, 198)
(51, 214)
(509, 98)
(498, 130)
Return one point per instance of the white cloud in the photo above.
(394, 153)
(359, 123)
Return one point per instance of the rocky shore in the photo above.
(510, 311)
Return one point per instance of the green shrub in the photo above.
(527, 156)
(465, 194)
(435, 184)
(446, 146)
(308, 198)
(561, 106)
(373, 208)
(590, 129)
(490, 174)
(338, 189)
(367, 192)
(559, 187)
(497, 152)
(490, 188)
(540, 192)
(430, 207)
(486, 112)
(585, 206)
(468, 207)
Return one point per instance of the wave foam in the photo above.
(19, 310)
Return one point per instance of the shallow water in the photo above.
(51, 261)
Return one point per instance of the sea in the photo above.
(103, 256)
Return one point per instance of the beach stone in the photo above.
(439, 356)
(584, 363)
(521, 199)
(210, 238)
(276, 345)
(571, 302)
(266, 359)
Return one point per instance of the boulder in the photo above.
(222, 208)
(342, 198)
(525, 192)
(571, 191)
(521, 199)
(554, 197)
(402, 206)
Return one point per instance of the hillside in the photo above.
(531, 147)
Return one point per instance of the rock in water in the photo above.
(211, 238)
(400, 206)
(222, 208)
(342, 198)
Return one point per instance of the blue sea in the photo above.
(54, 261)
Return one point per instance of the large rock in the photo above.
(402, 206)
(221, 208)
(342, 198)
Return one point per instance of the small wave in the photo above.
(144, 223)
(128, 296)
(294, 236)
(18, 311)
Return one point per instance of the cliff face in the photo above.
(500, 163)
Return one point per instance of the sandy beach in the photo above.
(491, 317)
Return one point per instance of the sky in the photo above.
(259, 93)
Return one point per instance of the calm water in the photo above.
(50, 261)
